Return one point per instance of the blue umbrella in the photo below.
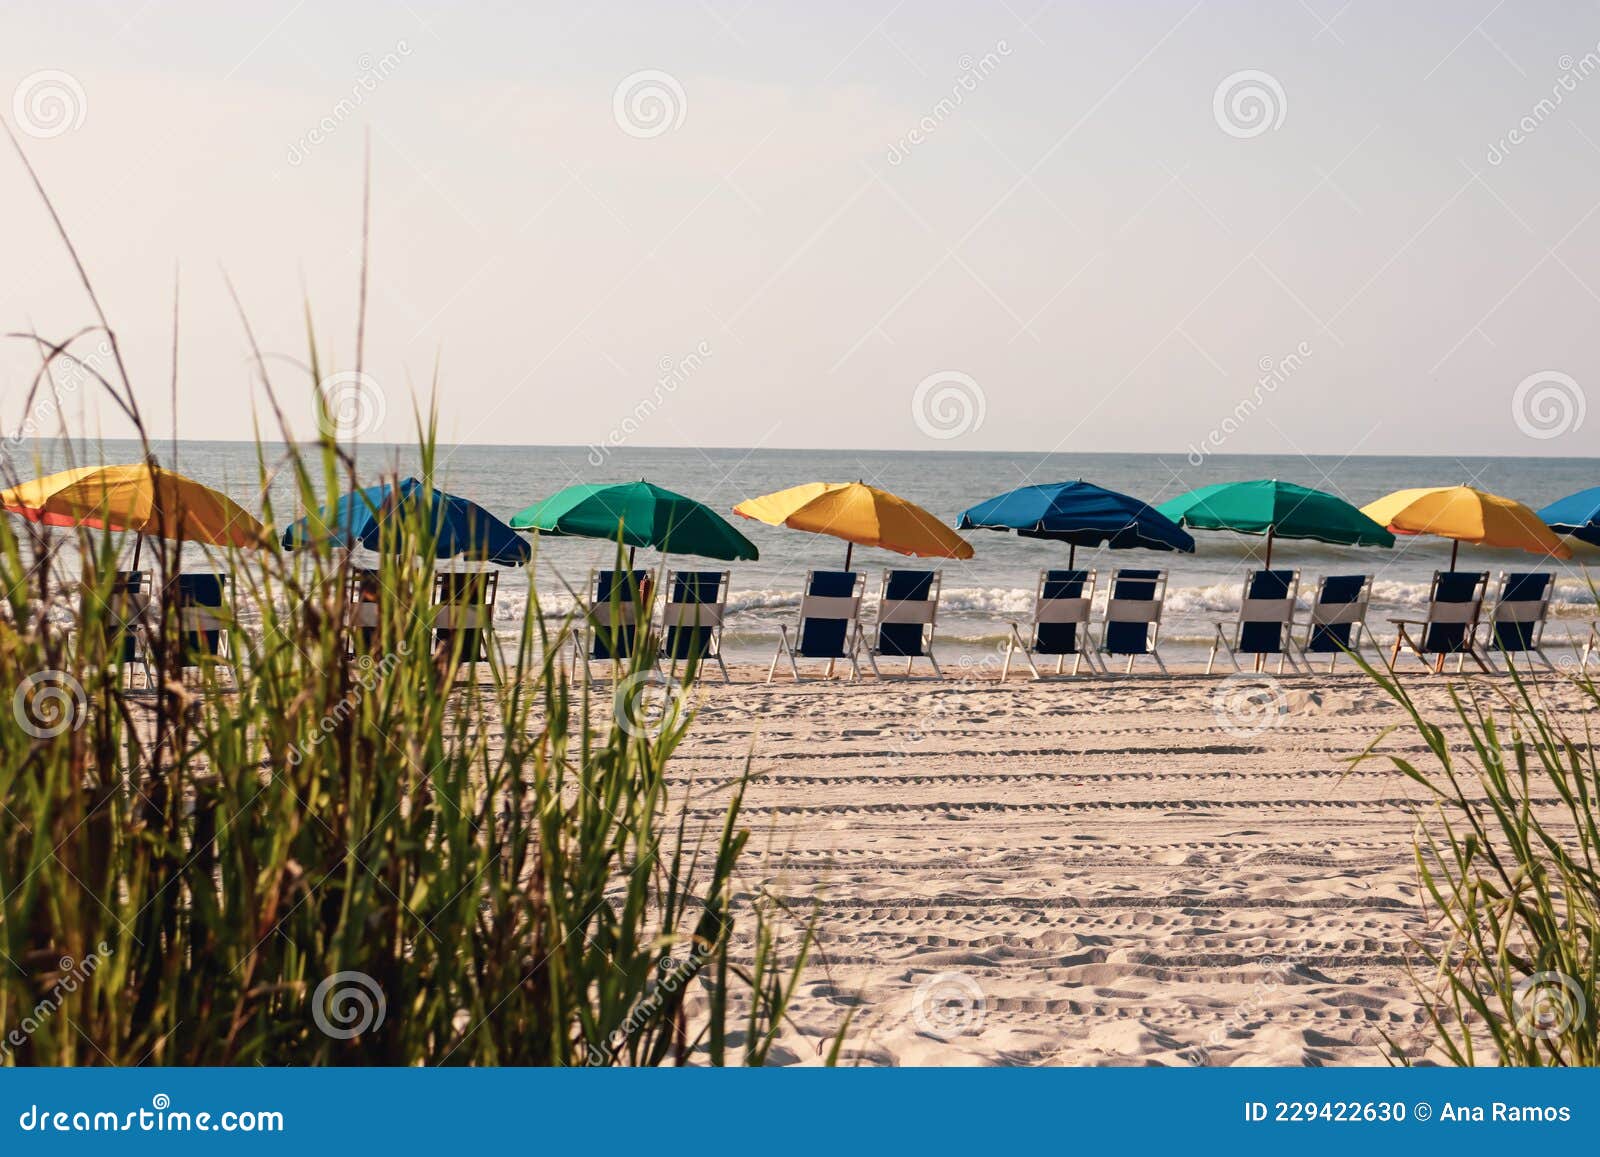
(460, 528)
(1576, 514)
(1078, 513)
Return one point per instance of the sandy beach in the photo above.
(1092, 872)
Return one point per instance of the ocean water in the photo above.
(981, 595)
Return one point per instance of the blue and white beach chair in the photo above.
(1450, 627)
(830, 622)
(1265, 624)
(463, 616)
(908, 609)
(1338, 617)
(202, 620)
(1060, 626)
(691, 618)
(1517, 620)
(611, 620)
(1132, 625)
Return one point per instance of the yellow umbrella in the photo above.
(141, 498)
(858, 513)
(1466, 514)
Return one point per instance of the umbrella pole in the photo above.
(849, 548)
(138, 545)
(1269, 547)
(1072, 556)
(1455, 549)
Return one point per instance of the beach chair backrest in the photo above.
(1454, 604)
(463, 613)
(907, 608)
(1134, 604)
(829, 611)
(1266, 611)
(691, 620)
(364, 594)
(614, 611)
(127, 611)
(464, 600)
(1061, 608)
(1520, 608)
(200, 617)
(1341, 604)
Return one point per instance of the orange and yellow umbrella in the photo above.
(141, 498)
(859, 514)
(1466, 514)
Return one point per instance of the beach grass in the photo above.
(1508, 859)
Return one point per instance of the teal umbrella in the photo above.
(639, 514)
(1277, 510)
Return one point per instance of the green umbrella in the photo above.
(1277, 510)
(640, 514)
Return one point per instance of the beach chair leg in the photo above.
(778, 654)
(1011, 649)
(873, 659)
(1061, 661)
(935, 664)
(1129, 669)
(1077, 659)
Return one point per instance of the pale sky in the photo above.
(1052, 210)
